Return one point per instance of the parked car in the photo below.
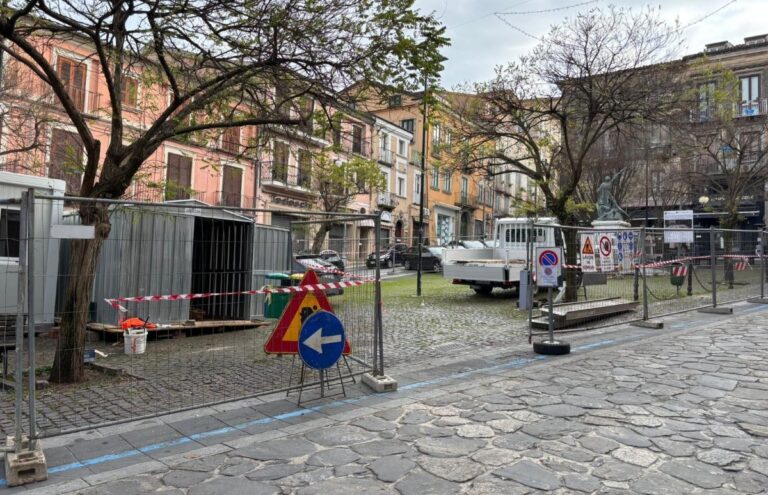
(334, 257)
(389, 257)
(327, 272)
(431, 258)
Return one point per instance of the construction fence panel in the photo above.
(156, 308)
(619, 275)
(600, 285)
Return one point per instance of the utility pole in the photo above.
(421, 185)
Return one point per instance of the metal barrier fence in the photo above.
(617, 274)
(216, 297)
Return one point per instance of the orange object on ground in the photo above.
(136, 323)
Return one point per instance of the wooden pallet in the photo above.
(179, 327)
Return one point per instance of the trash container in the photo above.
(274, 304)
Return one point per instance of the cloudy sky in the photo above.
(480, 40)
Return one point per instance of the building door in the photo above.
(231, 185)
(178, 180)
(464, 227)
(399, 230)
(66, 159)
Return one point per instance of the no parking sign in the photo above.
(548, 263)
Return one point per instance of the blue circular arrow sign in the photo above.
(321, 340)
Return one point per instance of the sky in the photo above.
(480, 41)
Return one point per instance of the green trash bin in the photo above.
(274, 304)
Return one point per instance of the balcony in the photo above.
(754, 108)
(467, 201)
(386, 157)
(386, 201)
(224, 198)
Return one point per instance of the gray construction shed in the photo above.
(183, 247)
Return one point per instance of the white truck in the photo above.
(499, 265)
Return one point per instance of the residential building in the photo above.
(454, 207)
(713, 161)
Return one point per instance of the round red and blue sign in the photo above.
(548, 258)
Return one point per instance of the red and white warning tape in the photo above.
(115, 302)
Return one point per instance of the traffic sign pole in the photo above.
(551, 316)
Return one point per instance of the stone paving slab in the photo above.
(614, 419)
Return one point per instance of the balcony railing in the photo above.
(386, 157)
(386, 200)
(225, 198)
(753, 108)
(466, 200)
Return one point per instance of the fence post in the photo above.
(31, 315)
(713, 265)
(690, 277)
(645, 282)
(529, 263)
(378, 354)
(636, 284)
(21, 304)
(762, 264)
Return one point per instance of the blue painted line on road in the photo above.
(515, 363)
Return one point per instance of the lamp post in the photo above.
(421, 186)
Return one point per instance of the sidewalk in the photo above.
(629, 411)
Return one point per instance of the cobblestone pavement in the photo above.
(191, 372)
(681, 413)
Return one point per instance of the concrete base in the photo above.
(758, 300)
(654, 325)
(717, 311)
(26, 466)
(611, 224)
(380, 383)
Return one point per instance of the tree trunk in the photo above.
(571, 249)
(317, 243)
(68, 363)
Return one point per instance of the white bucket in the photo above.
(135, 341)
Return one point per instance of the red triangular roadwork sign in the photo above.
(285, 336)
(588, 249)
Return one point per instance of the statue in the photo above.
(607, 207)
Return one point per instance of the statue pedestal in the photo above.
(610, 224)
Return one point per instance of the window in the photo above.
(178, 180)
(402, 147)
(464, 189)
(66, 159)
(72, 75)
(448, 138)
(231, 186)
(447, 179)
(230, 140)
(402, 181)
(435, 177)
(385, 174)
(408, 124)
(385, 154)
(306, 113)
(417, 188)
(129, 91)
(706, 92)
(305, 169)
(395, 101)
(10, 232)
(280, 162)
(435, 136)
(750, 95)
(357, 139)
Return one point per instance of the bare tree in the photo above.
(222, 63)
(600, 71)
